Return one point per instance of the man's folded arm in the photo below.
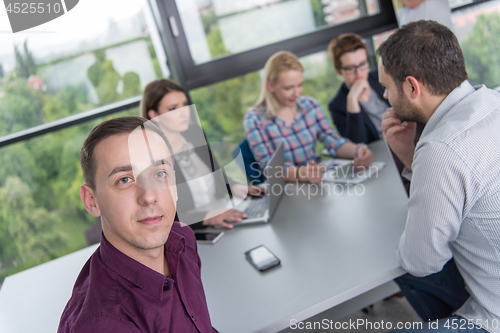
(438, 194)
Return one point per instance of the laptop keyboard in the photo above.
(257, 207)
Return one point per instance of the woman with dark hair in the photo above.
(198, 183)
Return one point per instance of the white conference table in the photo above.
(337, 253)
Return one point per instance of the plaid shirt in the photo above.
(264, 133)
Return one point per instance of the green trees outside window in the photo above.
(41, 215)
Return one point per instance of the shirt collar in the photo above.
(142, 276)
(302, 104)
(453, 98)
(301, 111)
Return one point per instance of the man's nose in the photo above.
(146, 196)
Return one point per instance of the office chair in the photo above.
(254, 176)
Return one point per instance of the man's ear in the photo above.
(412, 87)
(152, 114)
(88, 198)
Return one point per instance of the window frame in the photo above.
(470, 4)
(193, 76)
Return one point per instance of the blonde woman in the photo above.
(282, 114)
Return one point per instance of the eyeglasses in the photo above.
(352, 69)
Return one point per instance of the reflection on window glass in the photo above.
(222, 106)
(67, 65)
(219, 27)
(477, 29)
(41, 214)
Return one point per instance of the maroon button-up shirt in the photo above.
(115, 293)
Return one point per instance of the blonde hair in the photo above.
(279, 62)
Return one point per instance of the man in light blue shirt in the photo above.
(454, 205)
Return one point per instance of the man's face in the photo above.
(135, 190)
(401, 104)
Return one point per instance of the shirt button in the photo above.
(193, 317)
(166, 282)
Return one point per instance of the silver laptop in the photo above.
(261, 210)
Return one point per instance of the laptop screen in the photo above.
(275, 174)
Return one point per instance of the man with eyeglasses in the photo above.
(359, 105)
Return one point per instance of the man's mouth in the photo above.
(151, 220)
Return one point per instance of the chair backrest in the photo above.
(250, 166)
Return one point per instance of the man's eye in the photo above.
(161, 174)
(124, 180)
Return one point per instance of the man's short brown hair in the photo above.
(105, 130)
(429, 52)
(343, 44)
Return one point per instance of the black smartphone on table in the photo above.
(261, 258)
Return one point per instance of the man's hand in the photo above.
(242, 191)
(363, 158)
(220, 216)
(399, 136)
(359, 92)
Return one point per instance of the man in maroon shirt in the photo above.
(145, 275)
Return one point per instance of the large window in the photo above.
(83, 59)
(478, 30)
(41, 214)
(215, 40)
(219, 27)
